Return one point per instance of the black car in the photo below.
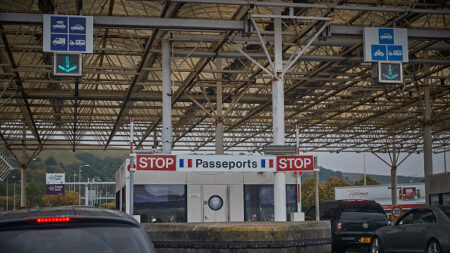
(352, 221)
(71, 229)
(418, 230)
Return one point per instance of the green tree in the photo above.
(34, 194)
(51, 161)
(369, 181)
(307, 193)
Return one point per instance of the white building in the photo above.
(173, 196)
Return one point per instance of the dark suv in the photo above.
(71, 229)
(352, 221)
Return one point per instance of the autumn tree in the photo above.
(70, 198)
(369, 181)
(109, 205)
(326, 191)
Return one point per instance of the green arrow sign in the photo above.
(390, 76)
(390, 72)
(67, 68)
(67, 64)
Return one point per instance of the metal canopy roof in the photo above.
(329, 92)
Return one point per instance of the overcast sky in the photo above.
(354, 162)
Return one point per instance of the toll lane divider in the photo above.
(232, 163)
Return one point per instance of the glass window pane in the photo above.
(160, 203)
(259, 202)
(426, 216)
(434, 200)
(86, 239)
(408, 219)
(446, 199)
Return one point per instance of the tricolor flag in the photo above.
(182, 162)
(267, 163)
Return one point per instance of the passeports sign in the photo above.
(231, 163)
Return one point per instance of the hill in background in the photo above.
(104, 164)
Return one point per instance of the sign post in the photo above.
(388, 47)
(66, 33)
(67, 37)
(55, 183)
(396, 212)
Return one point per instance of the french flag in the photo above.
(182, 162)
(266, 163)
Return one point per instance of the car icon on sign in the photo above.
(59, 41)
(59, 25)
(77, 43)
(386, 36)
(378, 53)
(77, 27)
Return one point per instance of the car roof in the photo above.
(82, 211)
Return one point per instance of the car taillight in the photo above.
(58, 219)
(52, 219)
(339, 227)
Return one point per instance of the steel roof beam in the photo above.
(138, 77)
(201, 24)
(26, 110)
(319, 6)
(136, 22)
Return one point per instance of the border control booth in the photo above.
(208, 188)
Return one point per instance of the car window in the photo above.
(362, 206)
(102, 239)
(407, 219)
(425, 216)
(363, 216)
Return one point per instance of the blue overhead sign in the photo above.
(63, 33)
(385, 44)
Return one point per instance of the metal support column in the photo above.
(278, 120)
(131, 191)
(23, 186)
(427, 143)
(394, 196)
(219, 120)
(86, 194)
(316, 188)
(166, 99)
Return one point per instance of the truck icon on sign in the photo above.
(59, 25)
(59, 41)
(77, 27)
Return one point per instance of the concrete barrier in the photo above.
(280, 237)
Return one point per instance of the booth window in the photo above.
(160, 203)
(258, 200)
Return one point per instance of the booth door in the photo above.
(215, 203)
